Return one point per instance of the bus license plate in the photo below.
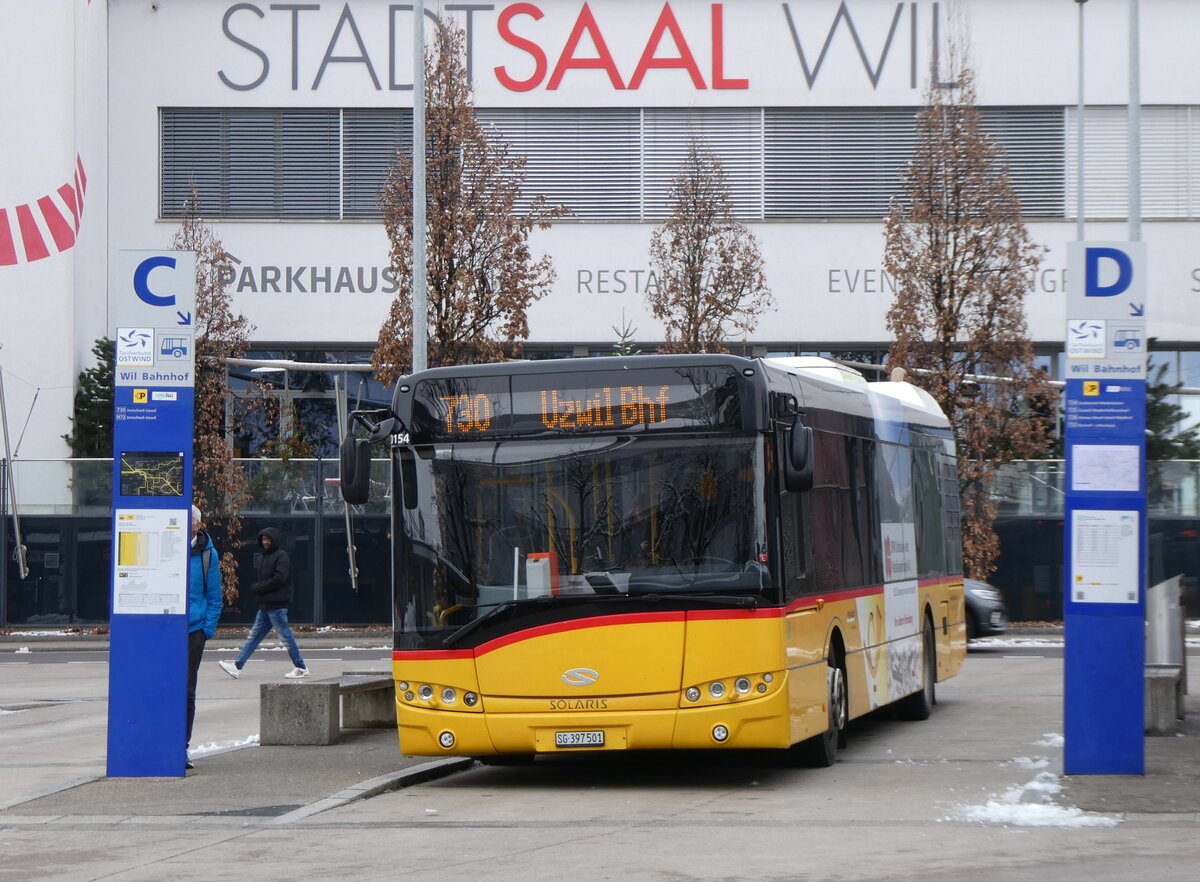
(593, 738)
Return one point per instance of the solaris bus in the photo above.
(664, 552)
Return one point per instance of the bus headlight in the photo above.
(716, 689)
(741, 685)
(470, 699)
(426, 692)
(449, 696)
(692, 694)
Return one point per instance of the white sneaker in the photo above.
(296, 674)
(230, 668)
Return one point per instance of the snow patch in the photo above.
(221, 746)
(1024, 762)
(23, 650)
(1026, 642)
(1029, 805)
(1050, 739)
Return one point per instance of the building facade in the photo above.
(284, 115)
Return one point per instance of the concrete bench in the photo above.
(1164, 699)
(315, 711)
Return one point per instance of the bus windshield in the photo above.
(581, 518)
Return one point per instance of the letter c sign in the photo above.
(1092, 272)
(142, 273)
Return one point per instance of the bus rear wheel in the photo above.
(919, 705)
(820, 751)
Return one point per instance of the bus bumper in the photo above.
(752, 723)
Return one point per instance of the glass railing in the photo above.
(1036, 488)
(1025, 488)
(294, 486)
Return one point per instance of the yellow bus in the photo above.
(666, 551)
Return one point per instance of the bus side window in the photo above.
(794, 540)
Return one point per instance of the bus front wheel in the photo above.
(821, 750)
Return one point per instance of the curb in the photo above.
(376, 786)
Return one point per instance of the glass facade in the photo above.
(66, 526)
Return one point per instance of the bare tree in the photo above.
(962, 259)
(481, 275)
(710, 272)
(218, 483)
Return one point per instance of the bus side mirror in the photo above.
(356, 470)
(798, 464)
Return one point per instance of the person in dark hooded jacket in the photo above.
(274, 589)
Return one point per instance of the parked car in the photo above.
(986, 613)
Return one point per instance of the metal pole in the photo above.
(11, 480)
(420, 311)
(342, 408)
(1079, 111)
(1135, 128)
(3, 541)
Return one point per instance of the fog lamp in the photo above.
(720, 734)
(446, 739)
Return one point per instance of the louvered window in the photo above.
(848, 163)
(827, 163)
(1170, 171)
(587, 159)
(251, 163)
(734, 135)
(372, 136)
(1032, 138)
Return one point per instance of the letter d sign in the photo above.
(1093, 259)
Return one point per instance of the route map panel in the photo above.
(151, 474)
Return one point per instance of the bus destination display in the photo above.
(523, 404)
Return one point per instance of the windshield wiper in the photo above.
(492, 613)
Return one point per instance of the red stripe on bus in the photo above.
(710, 615)
(430, 654)
(706, 615)
(82, 175)
(811, 600)
(31, 236)
(8, 251)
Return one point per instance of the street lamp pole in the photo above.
(419, 309)
(1079, 212)
(1135, 127)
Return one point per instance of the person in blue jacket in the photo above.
(204, 609)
